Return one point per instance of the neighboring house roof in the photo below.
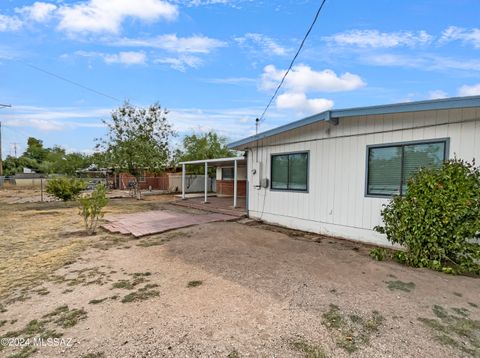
(332, 116)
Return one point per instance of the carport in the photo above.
(221, 162)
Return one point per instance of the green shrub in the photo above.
(378, 253)
(91, 206)
(438, 219)
(65, 188)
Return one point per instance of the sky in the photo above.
(214, 64)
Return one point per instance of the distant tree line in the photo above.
(47, 160)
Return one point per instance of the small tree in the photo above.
(203, 146)
(137, 139)
(91, 206)
(438, 219)
(65, 188)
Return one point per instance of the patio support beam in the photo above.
(235, 169)
(206, 182)
(183, 181)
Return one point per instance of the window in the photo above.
(390, 166)
(290, 172)
(227, 173)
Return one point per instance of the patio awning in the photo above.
(215, 163)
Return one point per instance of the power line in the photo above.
(69, 81)
(293, 60)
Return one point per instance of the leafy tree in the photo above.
(12, 165)
(203, 146)
(438, 219)
(35, 150)
(137, 139)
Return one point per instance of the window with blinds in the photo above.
(389, 167)
(289, 172)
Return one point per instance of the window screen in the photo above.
(290, 172)
(227, 173)
(390, 167)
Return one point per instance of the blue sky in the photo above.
(215, 63)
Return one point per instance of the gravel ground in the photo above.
(259, 292)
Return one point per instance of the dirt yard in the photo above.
(229, 289)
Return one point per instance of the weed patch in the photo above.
(351, 331)
(400, 286)
(97, 301)
(141, 294)
(129, 284)
(94, 355)
(24, 353)
(455, 330)
(310, 351)
(192, 284)
(65, 318)
(233, 354)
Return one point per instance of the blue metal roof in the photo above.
(331, 116)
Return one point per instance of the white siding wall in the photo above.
(335, 203)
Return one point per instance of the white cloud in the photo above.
(206, 2)
(39, 11)
(10, 23)
(232, 80)
(425, 62)
(181, 52)
(101, 16)
(437, 94)
(454, 33)
(300, 102)
(466, 90)
(173, 43)
(377, 39)
(258, 43)
(180, 63)
(125, 58)
(56, 118)
(302, 79)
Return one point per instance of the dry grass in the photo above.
(39, 238)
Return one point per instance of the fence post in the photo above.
(41, 188)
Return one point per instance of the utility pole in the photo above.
(14, 146)
(1, 158)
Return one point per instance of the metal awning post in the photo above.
(235, 169)
(206, 182)
(183, 181)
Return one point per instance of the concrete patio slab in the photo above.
(158, 221)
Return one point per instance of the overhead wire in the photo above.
(62, 78)
(262, 117)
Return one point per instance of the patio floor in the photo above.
(158, 221)
(221, 205)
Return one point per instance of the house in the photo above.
(332, 172)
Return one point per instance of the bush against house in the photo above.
(65, 189)
(438, 219)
